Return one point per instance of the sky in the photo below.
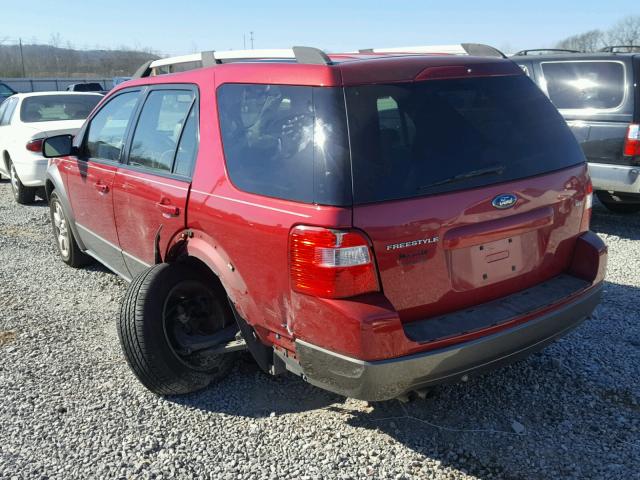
(178, 27)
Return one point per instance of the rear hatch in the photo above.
(596, 97)
(469, 188)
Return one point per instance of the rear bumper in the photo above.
(615, 178)
(32, 171)
(387, 379)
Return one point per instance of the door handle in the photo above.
(101, 187)
(167, 209)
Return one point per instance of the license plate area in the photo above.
(492, 262)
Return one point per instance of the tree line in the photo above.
(34, 60)
(624, 32)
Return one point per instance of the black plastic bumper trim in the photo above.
(387, 379)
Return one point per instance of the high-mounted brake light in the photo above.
(588, 207)
(632, 141)
(331, 263)
(35, 145)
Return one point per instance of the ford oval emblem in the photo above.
(504, 200)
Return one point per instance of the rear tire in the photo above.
(617, 204)
(164, 305)
(66, 244)
(23, 195)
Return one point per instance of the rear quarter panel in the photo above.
(244, 237)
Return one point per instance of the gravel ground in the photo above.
(70, 407)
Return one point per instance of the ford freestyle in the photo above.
(375, 222)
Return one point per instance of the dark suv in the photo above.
(599, 96)
(374, 222)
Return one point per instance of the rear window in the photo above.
(580, 85)
(50, 108)
(287, 142)
(437, 136)
(86, 87)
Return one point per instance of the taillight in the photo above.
(588, 206)
(35, 145)
(331, 263)
(632, 142)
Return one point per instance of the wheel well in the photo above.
(203, 268)
(5, 160)
(262, 354)
(48, 188)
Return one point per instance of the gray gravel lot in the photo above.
(70, 407)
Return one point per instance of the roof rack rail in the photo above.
(475, 49)
(524, 53)
(621, 49)
(304, 55)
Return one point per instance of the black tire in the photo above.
(147, 331)
(618, 206)
(23, 195)
(71, 255)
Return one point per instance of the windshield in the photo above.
(437, 136)
(52, 108)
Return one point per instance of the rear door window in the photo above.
(51, 108)
(585, 85)
(437, 136)
(188, 146)
(159, 128)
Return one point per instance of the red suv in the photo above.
(375, 222)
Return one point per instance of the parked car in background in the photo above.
(374, 222)
(599, 96)
(26, 119)
(86, 87)
(5, 91)
(118, 80)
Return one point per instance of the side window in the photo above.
(286, 141)
(188, 146)
(579, 85)
(159, 127)
(107, 129)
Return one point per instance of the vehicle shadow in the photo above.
(563, 412)
(618, 224)
(249, 392)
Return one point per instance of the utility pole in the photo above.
(24, 75)
(244, 41)
(251, 40)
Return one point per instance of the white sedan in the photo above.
(26, 119)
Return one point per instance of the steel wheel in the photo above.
(190, 316)
(61, 230)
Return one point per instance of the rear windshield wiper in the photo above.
(493, 170)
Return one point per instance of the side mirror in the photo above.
(58, 146)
